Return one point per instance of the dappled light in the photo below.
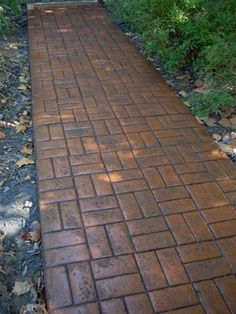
(65, 30)
(136, 199)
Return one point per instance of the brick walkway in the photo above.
(137, 203)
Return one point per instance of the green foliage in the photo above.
(204, 104)
(8, 8)
(188, 33)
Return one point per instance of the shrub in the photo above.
(188, 33)
(8, 8)
(204, 104)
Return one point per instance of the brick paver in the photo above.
(136, 200)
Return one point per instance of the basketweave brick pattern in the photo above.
(137, 202)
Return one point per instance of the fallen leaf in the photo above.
(21, 287)
(22, 79)
(210, 121)
(24, 118)
(26, 151)
(226, 148)
(199, 120)
(2, 135)
(23, 124)
(233, 120)
(182, 93)
(21, 128)
(40, 309)
(23, 162)
(33, 308)
(225, 122)
(226, 112)
(25, 113)
(216, 137)
(233, 134)
(2, 183)
(2, 271)
(187, 103)
(22, 87)
(33, 236)
(232, 143)
(28, 204)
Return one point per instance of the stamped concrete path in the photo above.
(136, 201)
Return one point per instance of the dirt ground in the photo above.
(21, 283)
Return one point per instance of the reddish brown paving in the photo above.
(137, 202)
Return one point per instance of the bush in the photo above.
(212, 102)
(188, 33)
(8, 8)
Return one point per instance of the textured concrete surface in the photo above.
(136, 200)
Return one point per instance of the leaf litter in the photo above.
(21, 273)
(24, 162)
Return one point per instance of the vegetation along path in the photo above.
(136, 200)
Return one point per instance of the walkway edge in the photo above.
(31, 6)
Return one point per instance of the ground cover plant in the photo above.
(8, 9)
(189, 33)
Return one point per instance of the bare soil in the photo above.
(21, 281)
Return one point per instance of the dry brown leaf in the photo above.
(182, 93)
(22, 87)
(199, 120)
(233, 120)
(2, 135)
(23, 162)
(216, 137)
(33, 236)
(33, 308)
(21, 128)
(225, 122)
(26, 151)
(21, 287)
(24, 119)
(40, 309)
(210, 121)
(24, 236)
(23, 124)
(25, 113)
